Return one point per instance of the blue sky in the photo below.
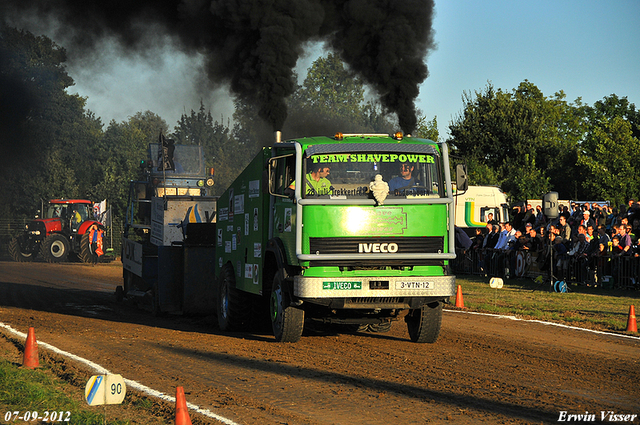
(588, 49)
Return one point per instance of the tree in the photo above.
(332, 90)
(515, 135)
(427, 129)
(332, 99)
(228, 155)
(124, 145)
(49, 140)
(608, 155)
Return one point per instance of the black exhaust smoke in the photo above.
(254, 45)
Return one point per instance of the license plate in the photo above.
(341, 285)
(414, 285)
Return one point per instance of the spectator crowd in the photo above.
(584, 244)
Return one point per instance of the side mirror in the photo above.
(462, 181)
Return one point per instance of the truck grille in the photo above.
(394, 246)
(356, 245)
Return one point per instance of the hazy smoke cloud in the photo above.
(254, 45)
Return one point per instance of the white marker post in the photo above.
(495, 283)
(105, 389)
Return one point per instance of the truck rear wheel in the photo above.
(55, 248)
(17, 254)
(287, 321)
(233, 307)
(424, 323)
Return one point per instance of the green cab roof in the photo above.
(366, 142)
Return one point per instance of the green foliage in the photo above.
(332, 99)
(227, 151)
(609, 161)
(50, 155)
(427, 129)
(332, 90)
(121, 149)
(529, 141)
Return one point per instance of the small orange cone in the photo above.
(182, 413)
(30, 359)
(459, 300)
(632, 326)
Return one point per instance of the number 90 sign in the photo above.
(105, 389)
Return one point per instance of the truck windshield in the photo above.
(349, 175)
(186, 160)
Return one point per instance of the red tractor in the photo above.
(67, 228)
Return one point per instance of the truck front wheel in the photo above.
(424, 323)
(17, 253)
(55, 248)
(287, 321)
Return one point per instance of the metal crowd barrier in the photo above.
(606, 271)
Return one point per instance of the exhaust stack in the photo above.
(278, 136)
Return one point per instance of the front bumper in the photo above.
(374, 287)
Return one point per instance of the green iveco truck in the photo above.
(355, 230)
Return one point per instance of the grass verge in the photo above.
(587, 307)
(24, 391)
(58, 386)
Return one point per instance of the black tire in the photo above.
(17, 254)
(119, 294)
(55, 248)
(287, 321)
(127, 281)
(233, 306)
(88, 248)
(424, 323)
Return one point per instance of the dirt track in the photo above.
(482, 369)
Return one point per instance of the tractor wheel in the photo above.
(233, 306)
(17, 254)
(88, 248)
(424, 323)
(55, 248)
(287, 321)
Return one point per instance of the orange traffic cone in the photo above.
(459, 300)
(632, 326)
(182, 413)
(30, 359)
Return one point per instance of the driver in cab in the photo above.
(405, 180)
(316, 181)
